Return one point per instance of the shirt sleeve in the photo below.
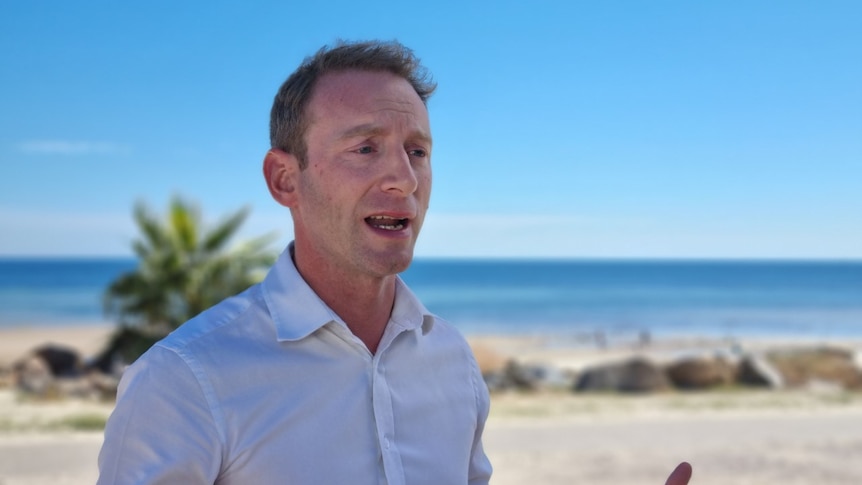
(480, 465)
(162, 429)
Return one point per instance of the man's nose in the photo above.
(400, 175)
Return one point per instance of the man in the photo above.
(330, 371)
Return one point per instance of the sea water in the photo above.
(568, 298)
(715, 298)
(56, 291)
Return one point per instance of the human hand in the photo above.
(680, 475)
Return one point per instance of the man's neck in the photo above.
(365, 304)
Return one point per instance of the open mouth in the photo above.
(387, 223)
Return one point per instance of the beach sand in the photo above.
(551, 437)
(16, 341)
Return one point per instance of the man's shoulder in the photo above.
(244, 309)
(444, 334)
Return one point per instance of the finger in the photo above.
(680, 475)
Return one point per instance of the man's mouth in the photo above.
(387, 223)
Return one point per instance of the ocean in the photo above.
(571, 298)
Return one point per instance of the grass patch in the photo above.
(6, 426)
(841, 398)
(83, 422)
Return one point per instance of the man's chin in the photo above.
(400, 265)
(392, 263)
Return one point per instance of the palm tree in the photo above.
(183, 269)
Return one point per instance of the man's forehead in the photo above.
(361, 101)
(356, 87)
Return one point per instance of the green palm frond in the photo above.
(152, 230)
(184, 222)
(184, 267)
(220, 235)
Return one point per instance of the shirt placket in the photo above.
(384, 417)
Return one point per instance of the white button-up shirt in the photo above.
(271, 387)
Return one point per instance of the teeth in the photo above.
(397, 226)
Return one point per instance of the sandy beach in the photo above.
(87, 339)
(549, 437)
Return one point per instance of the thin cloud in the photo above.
(62, 220)
(520, 222)
(619, 236)
(71, 147)
(33, 232)
(60, 232)
(501, 235)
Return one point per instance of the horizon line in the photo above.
(514, 258)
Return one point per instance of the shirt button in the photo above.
(386, 443)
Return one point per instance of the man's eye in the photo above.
(418, 153)
(365, 150)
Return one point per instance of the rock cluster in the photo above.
(810, 367)
(53, 372)
(633, 375)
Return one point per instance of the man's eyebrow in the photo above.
(423, 137)
(369, 129)
(366, 129)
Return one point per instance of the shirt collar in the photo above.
(408, 311)
(297, 311)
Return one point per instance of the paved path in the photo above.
(49, 459)
(823, 448)
(789, 448)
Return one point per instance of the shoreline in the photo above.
(567, 350)
(546, 350)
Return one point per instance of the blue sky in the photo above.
(663, 129)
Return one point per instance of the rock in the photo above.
(521, 377)
(552, 377)
(492, 365)
(489, 360)
(104, 385)
(76, 387)
(512, 376)
(529, 377)
(700, 373)
(496, 381)
(756, 371)
(635, 375)
(124, 347)
(52, 371)
(7, 377)
(33, 376)
(799, 367)
(62, 361)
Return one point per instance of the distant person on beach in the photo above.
(330, 371)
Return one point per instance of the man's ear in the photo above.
(281, 169)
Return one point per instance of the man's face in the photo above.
(362, 198)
